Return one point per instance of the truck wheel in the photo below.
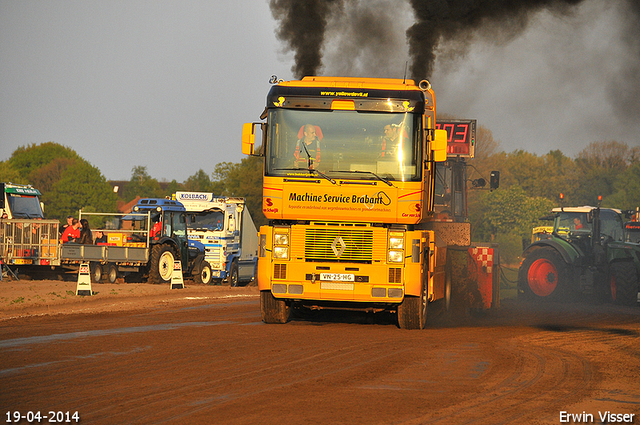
(272, 309)
(543, 275)
(96, 272)
(624, 283)
(412, 313)
(162, 259)
(232, 279)
(112, 274)
(204, 276)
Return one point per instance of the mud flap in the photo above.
(475, 280)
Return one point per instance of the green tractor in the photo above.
(585, 256)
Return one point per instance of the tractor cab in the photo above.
(578, 225)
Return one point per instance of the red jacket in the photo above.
(70, 234)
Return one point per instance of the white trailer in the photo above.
(225, 227)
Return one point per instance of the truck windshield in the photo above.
(24, 206)
(207, 220)
(344, 144)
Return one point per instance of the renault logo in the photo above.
(334, 246)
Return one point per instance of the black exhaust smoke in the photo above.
(444, 20)
(302, 27)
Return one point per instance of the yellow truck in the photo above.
(348, 189)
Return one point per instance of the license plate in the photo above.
(337, 277)
(336, 286)
(22, 261)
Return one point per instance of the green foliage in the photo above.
(29, 159)
(244, 180)
(8, 174)
(67, 182)
(199, 182)
(80, 187)
(173, 187)
(142, 184)
(627, 190)
(507, 214)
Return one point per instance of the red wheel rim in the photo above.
(614, 288)
(542, 277)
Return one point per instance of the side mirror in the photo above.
(494, 180)
(440, 146)
(248, 139)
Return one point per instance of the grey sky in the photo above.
(168, 84)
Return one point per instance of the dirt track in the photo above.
(201, 355)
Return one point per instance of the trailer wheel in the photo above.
(112, 273)
(233, 279)
(412, 313)
(272, 309)
(204, 275)
(162, 259)
(96, 272)
(624, 283)
(543, 275)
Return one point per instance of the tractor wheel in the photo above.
(204, 275)
(162, 259)
(543, 275)
(233, 278)
(273, 310)
(412, 313)
(624, 283)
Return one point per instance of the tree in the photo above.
(199, 182)
(627, 190)
(245, 180)
(8, 174)
(28, 159)
(599, 166)
(81, 187)
(142, 185)
(508, 214)
(67, 182)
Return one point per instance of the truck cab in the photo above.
(223, 225)
(20, 201)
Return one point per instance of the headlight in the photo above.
(281, 239)
(281, 252)
(395, 256)
(396, 243)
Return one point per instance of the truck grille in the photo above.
(338, 244)
(279, 271)
(395, 275)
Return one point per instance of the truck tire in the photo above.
(412, 313)
(233, 278)
(112, 273)
(96, 272)
(272, 309)
(624, 283)
(204, 274)
(161, 268)
(543, 275)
